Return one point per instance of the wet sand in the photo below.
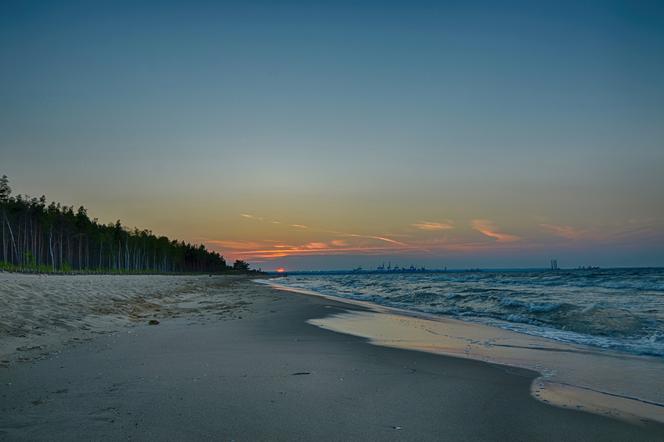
(259, 371)
(619, 385)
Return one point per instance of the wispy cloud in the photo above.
(353, 244)
(250, 216)
(316, 246)
(378, 238)
(308, 250)
(271, 221)
(235, 245)
(616, 231)
(345, 242)
(488, 228)
(562, 231)
(332, 232)
(433, 226)
(314, 241)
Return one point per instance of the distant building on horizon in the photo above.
(554, 264)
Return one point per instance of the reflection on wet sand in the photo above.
(620, 385)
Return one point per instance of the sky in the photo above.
(331, 135)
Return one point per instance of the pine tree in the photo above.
(54, 237)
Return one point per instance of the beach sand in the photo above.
(41, 314)
(234, 360)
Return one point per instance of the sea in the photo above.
(616, 309)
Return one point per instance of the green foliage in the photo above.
(241, 266)
(55, 238)
(5, 190)
(30, 259)
(6, 266)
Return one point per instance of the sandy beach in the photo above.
(41, 314)
(594, 379)
(234, 360)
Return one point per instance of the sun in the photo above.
(281, 270)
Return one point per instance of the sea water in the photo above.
(616, 309)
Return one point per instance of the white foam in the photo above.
(625, 386)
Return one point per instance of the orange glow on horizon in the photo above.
(281, 270)
(265, 241)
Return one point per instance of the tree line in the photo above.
(57, 238)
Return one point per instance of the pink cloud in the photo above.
(488, 228)
(433, 226)
(316, 245)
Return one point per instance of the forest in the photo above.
(57, 238)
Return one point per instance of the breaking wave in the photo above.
(618, 309)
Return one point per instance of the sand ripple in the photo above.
(39, 313)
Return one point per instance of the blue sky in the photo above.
(539, 121)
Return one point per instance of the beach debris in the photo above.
(300, 373)
(153, 322)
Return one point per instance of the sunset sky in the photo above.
(341, 134)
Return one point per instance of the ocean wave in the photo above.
(618, 309)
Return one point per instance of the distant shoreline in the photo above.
(457, 270)
(130, 273)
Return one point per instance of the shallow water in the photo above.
(577, 376)
(617, 309)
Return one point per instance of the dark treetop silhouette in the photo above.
(53, 237)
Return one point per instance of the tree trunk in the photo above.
(50, 247)
(11, 233)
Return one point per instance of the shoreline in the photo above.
(229, 272)
(260, 371)
(565, 379)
